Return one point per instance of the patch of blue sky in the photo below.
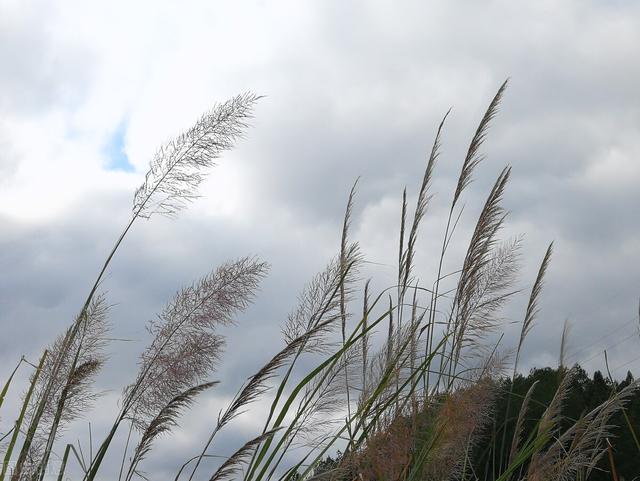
(114, 150)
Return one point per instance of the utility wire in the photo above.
(576, 354)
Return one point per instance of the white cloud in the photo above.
(352, 89)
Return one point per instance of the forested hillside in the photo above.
(488, 456)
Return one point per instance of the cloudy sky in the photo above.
(89, 90)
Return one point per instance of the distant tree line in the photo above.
(585, 393)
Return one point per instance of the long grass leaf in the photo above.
(18, 423)
(8, 382)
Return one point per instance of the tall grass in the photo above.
(404, 389)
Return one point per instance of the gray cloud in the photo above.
(351, 91)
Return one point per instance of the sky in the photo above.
(90, 90)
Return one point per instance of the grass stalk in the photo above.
(18, 424)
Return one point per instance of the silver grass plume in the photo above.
(413, 348)
(551, 417)
(344, 266)
(92, 342)
(532, 306)
(529, 318)
(477, 257)
(471, 161)
(324, 399)
(320, 301)
(365, 337)
(457, 421)
(542, 462)
(231, 467)
(171, 182)
(383, 369)
(587, 448)
(186, 345)
(563, 344)
(63, 375)
(492, 290)
(345, 256)
(401, 251)
(519, 428)
(406, 258)
(378, 370)
(306, 330)
(164, 422)
(473, 157)
(179, 167)
(582, 445)
(257, 384)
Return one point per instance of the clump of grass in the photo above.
(405, 389)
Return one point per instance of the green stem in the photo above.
(63, 466)
(18, 423)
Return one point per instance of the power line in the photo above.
(627, 363)
(575, 355)
(622, 341)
